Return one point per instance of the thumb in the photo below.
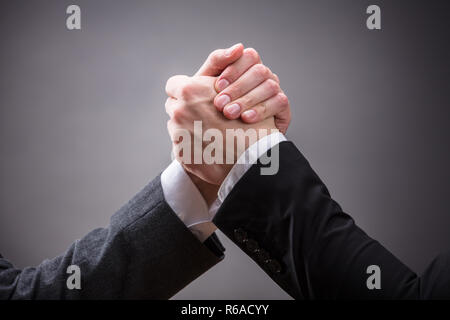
(219, 59)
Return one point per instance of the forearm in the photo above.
(320, 251)
(207, 190)
(145, 252)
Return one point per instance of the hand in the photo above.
(247, 88)
(250, 90)
(191, 99)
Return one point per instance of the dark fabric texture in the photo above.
(299, 235)
(145, 253)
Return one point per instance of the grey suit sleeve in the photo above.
(145, 253)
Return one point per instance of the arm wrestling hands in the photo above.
(246, 88)
(141, 233)
(304, 241)
(229, 80)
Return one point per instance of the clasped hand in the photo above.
(232, 92)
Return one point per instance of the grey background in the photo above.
(82, 121)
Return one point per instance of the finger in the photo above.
(249, 80)
(275, 77)
(175, 84)
(219, 59)
(204, 86)
(277, 106)
(170, 105)
(264, 91)
(232, 72)
(175, 134)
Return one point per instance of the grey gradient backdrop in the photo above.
(83, 127)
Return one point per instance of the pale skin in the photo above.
(244, 80)
(233, 83)
(192, 98)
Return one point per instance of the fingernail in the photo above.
(222, 84)
(233, 110)
(230, 50)
(249, 115)
(222, 101)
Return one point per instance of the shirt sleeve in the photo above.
(186, 200)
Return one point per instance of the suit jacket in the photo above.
(299, 235)
(145, 253)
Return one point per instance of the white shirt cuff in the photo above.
(186, 201)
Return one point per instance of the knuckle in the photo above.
(230, 90)
(178, 114)
(283, 99)
(234, 92)
(187, 90)
(260, 70)
(175, 77)
(171, 79)
(277, 79)
(246, 101)
(215, 53)
(168, 82)
(214, 56)
(263, 110)
(252, 53)
(272, 85)
(167, 103)
(172, 84)
(230, 72)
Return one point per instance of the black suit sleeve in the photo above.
(299, 235)
(145, 253)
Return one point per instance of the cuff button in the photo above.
(273, 266)
(262, 256)
(240, 235)
(252, 245)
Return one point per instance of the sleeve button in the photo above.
(252, 245)
(274, 266)
(262, 256)
(240, 235)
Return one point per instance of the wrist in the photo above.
(207, 190)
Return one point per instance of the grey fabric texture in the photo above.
(146, 252)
